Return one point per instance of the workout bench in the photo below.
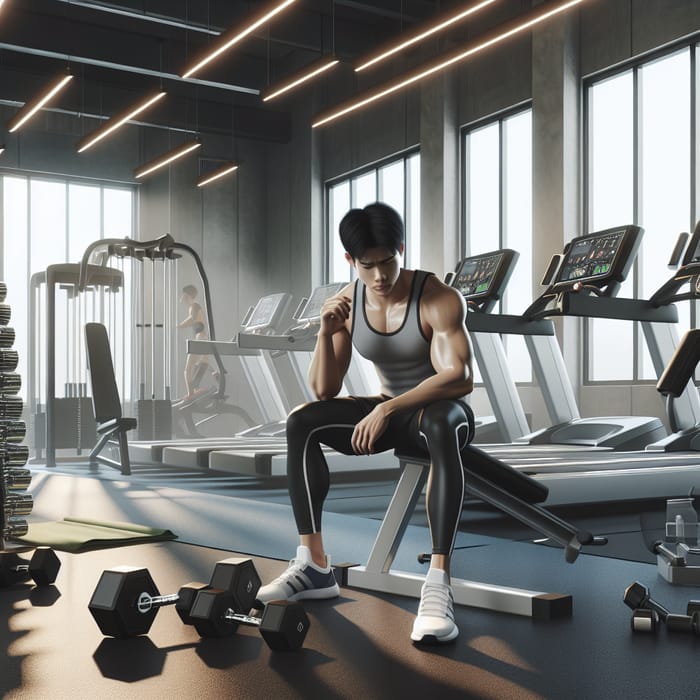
(506, 489)
(111, 426)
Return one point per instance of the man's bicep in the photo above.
(450, 349)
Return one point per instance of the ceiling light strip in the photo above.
(166, 159)
(316, 69)
(31, 108)
(124, 67)
(423, 35)
(534, 18)
(114, 123)
(235, 36)
(216, 174)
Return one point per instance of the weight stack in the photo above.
(154, 419)
(15, 503)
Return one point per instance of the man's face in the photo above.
(378, 269)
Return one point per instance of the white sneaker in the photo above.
(302, 580)
(435, 623)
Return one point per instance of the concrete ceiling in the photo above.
(124, 50)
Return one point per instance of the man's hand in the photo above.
(334, 312)
(369, 430)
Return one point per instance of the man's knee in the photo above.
(303, 419)
(442, 420)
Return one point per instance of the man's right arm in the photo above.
(333, 349)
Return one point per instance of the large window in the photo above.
(498, 211)
(46, 222)
(639, 166)
(396, 183)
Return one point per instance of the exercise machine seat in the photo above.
(111, 425)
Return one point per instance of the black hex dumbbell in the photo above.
(648, 613)
(126, 600)
(42, 568)
(283, 624)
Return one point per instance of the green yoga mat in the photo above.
(81, 535)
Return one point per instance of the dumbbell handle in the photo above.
(241, 619)
(146, 602)
(637, 596)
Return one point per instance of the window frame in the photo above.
(350, 178)
(465, 246)
(635, 65)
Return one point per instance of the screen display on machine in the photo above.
(590, 257)
(312, 308)
(693, 252)
(265, 311)
(475, 276)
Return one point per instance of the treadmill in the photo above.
(289, 356)
(269, 314)
(578, 288)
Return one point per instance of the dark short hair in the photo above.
(190, 290)
(375, 226)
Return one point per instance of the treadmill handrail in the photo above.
(591, 306)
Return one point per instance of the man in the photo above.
(412, 327)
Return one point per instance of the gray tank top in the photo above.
(402, 357)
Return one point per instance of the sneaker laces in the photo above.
(436, 601)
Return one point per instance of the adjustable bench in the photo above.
(111, 426)
(496, 483)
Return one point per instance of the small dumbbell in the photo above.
(126, 600)
(17, 504)
(12, 431)
(16, 479)
(42, 568)
(13, 455)
(14, 527)
(10, 383)
(283, 624)
(7, 337)
(9, 360)
(648, 612)
(11, 407)
(5, 314)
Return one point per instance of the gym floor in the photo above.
(358, 645)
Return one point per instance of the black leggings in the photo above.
(440, 430)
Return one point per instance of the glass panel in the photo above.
(517, 232)
(118, 213)
(665, 148)
(413, 227)
(364, 189)
(15, 252)
(611, 203)
(47, 205)
(338, 206)
(482, 189)
(83, 219)
(392, 189)
(117, 218)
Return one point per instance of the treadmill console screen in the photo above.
(475, 276)
(482, 279)
(312, 309)
(602, 259)
(267, 311)
(692, 252)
